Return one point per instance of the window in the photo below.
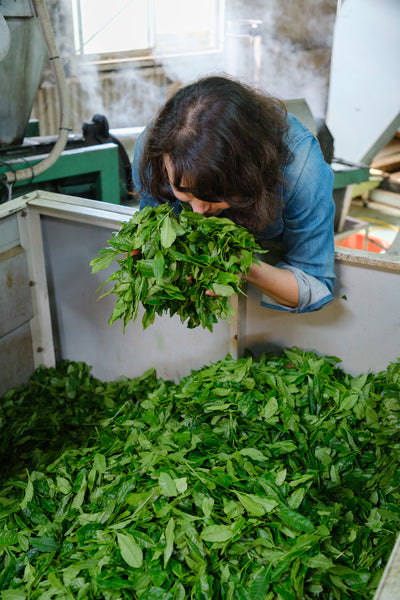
(147, 27)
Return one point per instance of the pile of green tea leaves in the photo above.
(178, 258)
(275, 478)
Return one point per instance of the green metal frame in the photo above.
(350, 174)
(100, 160)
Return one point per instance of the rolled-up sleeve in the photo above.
(313, 294)
(307, 232)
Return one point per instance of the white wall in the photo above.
(363, 104)
(362, 330)
(80, 320)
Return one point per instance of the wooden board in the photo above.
(387, 163)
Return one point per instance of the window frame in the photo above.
(147, 56)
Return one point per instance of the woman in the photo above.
(227, 149)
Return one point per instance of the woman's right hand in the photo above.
(134, 252)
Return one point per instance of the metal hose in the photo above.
(64, 97)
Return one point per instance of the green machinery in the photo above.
(92, 166)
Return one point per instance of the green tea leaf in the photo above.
(260, 584)
(13, 595)
(217, 533)
(28, 494)
(253, 453)
(221, 289)
(168, 233)
(283, 447)
(80, 496)
(170, 538)
(45, 543)
(296, 520)
(63, 485)
(319, 561)
(104, 260)
(130, 550)
(99, 463)
(256, 505)
(296, 498)
(8, 538)
(167, 485)
(270, 409)
(158, 266)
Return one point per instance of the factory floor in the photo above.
(371, 225)
(375, 210)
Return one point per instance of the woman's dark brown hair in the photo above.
(226, 142)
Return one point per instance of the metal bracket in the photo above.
(41, 327)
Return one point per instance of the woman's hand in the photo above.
(136, 253)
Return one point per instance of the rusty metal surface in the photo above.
(20, 73)
(16, 358)
(15, 294)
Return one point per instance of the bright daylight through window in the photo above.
(145, 27)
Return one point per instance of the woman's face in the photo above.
(209, 209)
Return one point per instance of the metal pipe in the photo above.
(64, 97)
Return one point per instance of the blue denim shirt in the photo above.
(302, 239)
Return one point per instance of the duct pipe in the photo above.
(4, 38)
(65, 103)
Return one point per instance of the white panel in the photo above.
(16, 359)
(364, 89)
(15, 291)
(9, 234)
(80, 320)
(361, 326)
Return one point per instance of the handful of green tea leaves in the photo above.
(178, 258)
